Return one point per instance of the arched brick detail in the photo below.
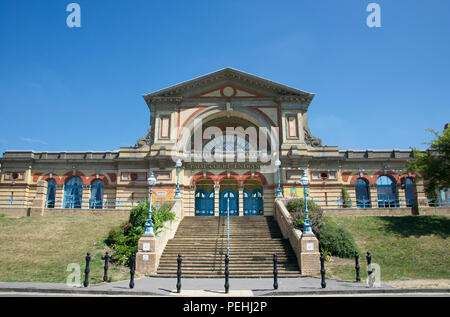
(365, 176)
(112, 177)
(257, 175)
(346, 175)
(55, 177)
(70, 174)
(232, 175)
(394, 176)
(100, 176)
(199, 175)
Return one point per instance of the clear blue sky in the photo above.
(80, 89)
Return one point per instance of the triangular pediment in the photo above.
(227, 83)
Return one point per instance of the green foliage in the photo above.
(124, 239)
(433, 165)
(346, 198)
(297, 209)
(337, 241)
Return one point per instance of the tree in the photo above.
(433, 165)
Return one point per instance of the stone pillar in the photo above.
(421, 197)
(373, 196)
(309, 254)
(401, 196)
(216, 199)
(40, 199)
(241, 199)
(146, 259)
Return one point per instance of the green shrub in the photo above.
(114, 235)
(345, 198)
(297, 209)
(124, 239)
(337, 240)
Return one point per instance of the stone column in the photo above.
(40, 199)
(373, 196)
(241, 199)
(216, 199)
(146, 258)
(309, 254)
(421, 197)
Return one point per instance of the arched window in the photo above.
(96, 201)
(387, 192)
(73, 192)
(410, 196)
(51, 193)
(362, 193)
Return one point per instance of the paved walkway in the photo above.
(208, 287)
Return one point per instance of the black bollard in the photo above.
(358, 277)
(105, 274)
(87, 270)
(322, 270)
(132, 267)
(227, 274)
(179, 274)
(275, 272)
(369, 268)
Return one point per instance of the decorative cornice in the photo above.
(230, 74)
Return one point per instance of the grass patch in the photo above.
(406, 248)
(38, 249)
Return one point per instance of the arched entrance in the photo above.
(228, 197)
(253, 198)
(204, 197)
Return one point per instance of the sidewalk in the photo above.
(153, 286)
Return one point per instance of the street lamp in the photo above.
(177, 191)
(151, 181)
(306, 224)
(279, 191)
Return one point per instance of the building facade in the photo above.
(229, 129)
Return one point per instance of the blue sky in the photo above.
(80, 89)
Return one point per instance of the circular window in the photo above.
(15, 175)
(228, 91)
(323, 175)
(133, 176)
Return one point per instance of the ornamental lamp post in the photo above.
(178, 164)
(306, 224)
(279, 193)
(151, 181)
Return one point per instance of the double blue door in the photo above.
(228, 200)
(204, 203)
(253, 203)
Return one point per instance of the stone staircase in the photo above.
(202, 242)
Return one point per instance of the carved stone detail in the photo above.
(310, 139)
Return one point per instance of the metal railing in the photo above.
(361, 203)
(15, 203)
(79, 204)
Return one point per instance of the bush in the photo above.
(345, 198)
(297, 209)
(124, 239)
(337, 240)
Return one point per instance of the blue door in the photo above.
(73, 192)
(96, 201)
(228, 197)
(409, 192)
(204, 203)
(51, 193)
(253, 203)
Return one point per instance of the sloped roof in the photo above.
(230, 74)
